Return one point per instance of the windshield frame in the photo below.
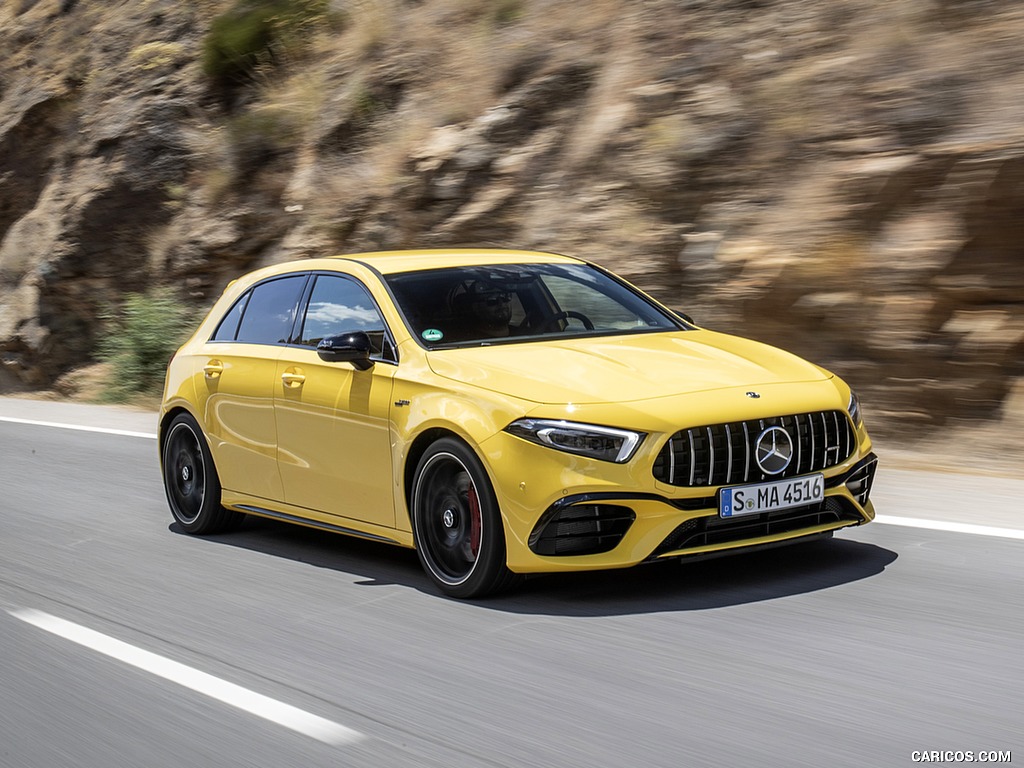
(669, 320)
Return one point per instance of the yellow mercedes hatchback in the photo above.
(504, 413)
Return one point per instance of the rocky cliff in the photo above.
(844, 178)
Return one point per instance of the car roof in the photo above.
(393, 262)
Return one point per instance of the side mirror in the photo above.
(351, 347)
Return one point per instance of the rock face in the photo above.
(843, 178)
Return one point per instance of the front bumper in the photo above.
(565, 513)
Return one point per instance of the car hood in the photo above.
(618, 369)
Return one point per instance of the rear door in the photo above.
(237, 391)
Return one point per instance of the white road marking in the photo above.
(79, 427)
(234, 695)
(944, 525)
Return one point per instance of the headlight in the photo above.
(604, 443)
(854, 409)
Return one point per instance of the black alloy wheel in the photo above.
(456, 523)
(190, 480)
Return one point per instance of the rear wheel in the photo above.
(456, 523)
(191, 482)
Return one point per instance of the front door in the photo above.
(333, 428)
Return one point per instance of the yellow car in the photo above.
(503, 412)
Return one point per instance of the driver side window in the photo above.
(339, 305)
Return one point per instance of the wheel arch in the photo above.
(416, 450)
(468, 417)
(165, 422)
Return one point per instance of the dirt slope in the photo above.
(843, 178)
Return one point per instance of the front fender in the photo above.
(424, 409)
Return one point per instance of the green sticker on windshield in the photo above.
(432, 334)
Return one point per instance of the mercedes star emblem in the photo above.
(774, 450)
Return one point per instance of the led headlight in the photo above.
(604, 443)
(854, 409)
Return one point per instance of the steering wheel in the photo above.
(565, 316)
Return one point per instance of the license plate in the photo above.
(767, 497)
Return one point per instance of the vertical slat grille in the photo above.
(724, 454)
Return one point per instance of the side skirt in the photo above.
(261, 512)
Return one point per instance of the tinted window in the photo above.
(512, 303)
(270, 311)
(578, 296)
(339, 305)
(229, 325)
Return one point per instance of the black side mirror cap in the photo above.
(353, 347)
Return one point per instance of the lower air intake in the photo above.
(582, 529)
(709, 531)
(860, 480)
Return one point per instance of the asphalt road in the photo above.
(126, 643)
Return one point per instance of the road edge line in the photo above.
(79, 427)
(951, 527)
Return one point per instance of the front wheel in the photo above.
(190, 480)
(456, 523)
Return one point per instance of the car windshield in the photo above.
(471, 306)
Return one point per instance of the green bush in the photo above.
(139, 340)
(507, 11)
(255, 32)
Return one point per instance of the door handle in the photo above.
(213, 369)
(293, 378)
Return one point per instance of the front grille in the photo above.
(581, 529)
(708, 531)
(722, 454)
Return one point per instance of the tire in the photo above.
(191, 482)
(456, 523)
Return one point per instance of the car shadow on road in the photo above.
(660, 587)
(703, 585)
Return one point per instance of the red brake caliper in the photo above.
(474, 520)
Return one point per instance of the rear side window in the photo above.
(228, 328)
(268, 313)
